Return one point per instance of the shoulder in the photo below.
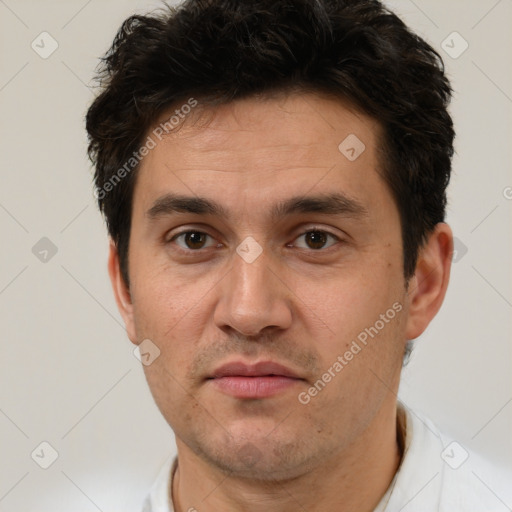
(464, 480)
(477, 484)
(159, 498)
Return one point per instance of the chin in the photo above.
(263, 458)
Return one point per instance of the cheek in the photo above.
(358, 315)
(345, 303)
(170, 392)
(171, 312)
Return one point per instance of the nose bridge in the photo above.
(252, 297)
(251, 281)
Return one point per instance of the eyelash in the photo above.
(322, 231)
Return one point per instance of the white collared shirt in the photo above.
(437, 474)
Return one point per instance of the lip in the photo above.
(252, 381)
(261, 369)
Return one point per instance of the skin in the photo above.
(298, 304)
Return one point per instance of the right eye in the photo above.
(192, 240)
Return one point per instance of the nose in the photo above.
(253, 298)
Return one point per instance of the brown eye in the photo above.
(316, 240)
(195, 240)
(192, 240)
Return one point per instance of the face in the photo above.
(266, 265)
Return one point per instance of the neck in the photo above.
(355, 479)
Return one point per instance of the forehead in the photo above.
(290, 121)
(263, 148)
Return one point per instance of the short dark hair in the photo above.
(218, 51)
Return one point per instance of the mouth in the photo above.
(253, 381)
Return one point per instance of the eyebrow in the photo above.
(328, 204)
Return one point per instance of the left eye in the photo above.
(193, 240)
(316, 240)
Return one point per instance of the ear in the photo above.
(427, 288)
(121, 292)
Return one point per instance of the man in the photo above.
(273, 177)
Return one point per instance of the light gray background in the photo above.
(68, 374)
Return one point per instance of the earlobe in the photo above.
(428, 287)
(121, 292)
